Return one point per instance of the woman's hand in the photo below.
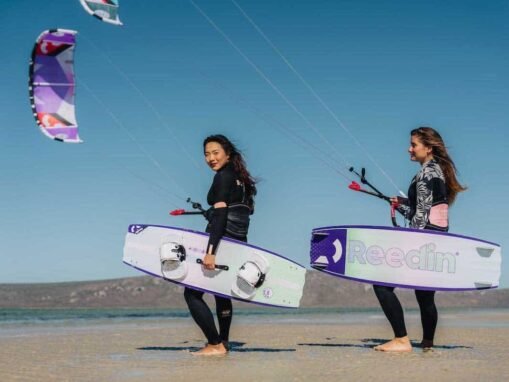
(397, 201)
(209, 261)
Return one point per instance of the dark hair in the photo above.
(239, 164)
(429, 137)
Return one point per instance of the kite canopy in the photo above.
(51, 85)
(105, 10)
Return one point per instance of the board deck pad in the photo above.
(146, 245)
(407, 258)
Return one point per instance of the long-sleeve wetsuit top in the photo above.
(232, 221)
(427, 206)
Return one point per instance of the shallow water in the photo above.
(50, 321)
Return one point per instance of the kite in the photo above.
(104, 10)
(52, 85)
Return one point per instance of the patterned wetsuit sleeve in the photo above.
(424, 202)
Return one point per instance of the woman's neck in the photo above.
(426, 160)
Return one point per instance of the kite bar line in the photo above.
(268, 80)
(147, 102)
(119, 123)
(354, 186)
(324, 157)
(314, 93)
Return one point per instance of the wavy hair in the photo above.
(429, 137)
(239, 164)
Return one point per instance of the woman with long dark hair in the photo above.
(430, 194)
(231, 198)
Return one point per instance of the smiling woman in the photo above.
(231, 199)
(430, 193)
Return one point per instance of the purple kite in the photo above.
(51, 85)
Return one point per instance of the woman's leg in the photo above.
(224, 310)
(394, 313)
(202, 315)
(429, 316)
(392, 309)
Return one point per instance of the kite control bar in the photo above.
(195, 205)
(184, 212)
(362, 177)
(357, 187)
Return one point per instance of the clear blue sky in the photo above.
(167, 77)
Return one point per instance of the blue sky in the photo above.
(168, 79)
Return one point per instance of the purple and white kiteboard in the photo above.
(407, 258)
(243, 271)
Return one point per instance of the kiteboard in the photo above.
(407, 258)
(243, 272)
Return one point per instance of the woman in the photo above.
(231, 200)
(431, 192)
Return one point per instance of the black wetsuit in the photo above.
(426, 208)
(232, 222)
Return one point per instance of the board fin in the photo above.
(484, 252)
(481, 285)
(320, 263)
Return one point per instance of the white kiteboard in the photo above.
(407, 258)
(243, 272)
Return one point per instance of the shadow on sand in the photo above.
(415, 344)
(369, 343)
(237, 347)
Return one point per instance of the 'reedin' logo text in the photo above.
(426, 258)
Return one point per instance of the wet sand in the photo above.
(471, 346)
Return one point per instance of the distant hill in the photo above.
(148, 292)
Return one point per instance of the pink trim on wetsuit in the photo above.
(439, 215)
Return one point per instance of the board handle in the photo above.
(218, 266)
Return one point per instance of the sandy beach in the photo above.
(471, 346)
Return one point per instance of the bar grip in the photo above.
(218, 266)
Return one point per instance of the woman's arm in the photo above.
(218, 225)
(221, 190)
(424, 203)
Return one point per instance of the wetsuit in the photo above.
(425, 208)
(232, 221)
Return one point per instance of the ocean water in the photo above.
(24, 322)
(76, 317)
(35, 316)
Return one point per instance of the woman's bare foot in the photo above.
(209, 349)
(398, 344)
